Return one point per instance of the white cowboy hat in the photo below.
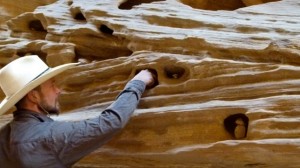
(22, 75)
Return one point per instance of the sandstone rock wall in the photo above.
(228, 76)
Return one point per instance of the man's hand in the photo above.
(147, 77)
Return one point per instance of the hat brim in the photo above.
(9, 102)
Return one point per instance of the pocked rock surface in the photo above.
(228, 90)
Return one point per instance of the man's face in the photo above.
(49, 93)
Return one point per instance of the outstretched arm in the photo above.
(80, 138)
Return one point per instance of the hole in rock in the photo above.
(237, 125)
(174, 72)
(79, 16)
(36, 25)
(70, 2)
(106, 30)
(223, 4)
(129, 4)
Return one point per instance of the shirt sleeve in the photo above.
(74, 140)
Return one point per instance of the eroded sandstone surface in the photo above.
(228, 90)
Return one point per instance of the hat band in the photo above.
(40, 74)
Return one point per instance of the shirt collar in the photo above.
(28, 113)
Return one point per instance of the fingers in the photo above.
(148, 76)
(154, 81)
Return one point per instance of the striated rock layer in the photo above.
(228, 90)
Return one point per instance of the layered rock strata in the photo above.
(228, 76)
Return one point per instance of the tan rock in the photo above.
(213, 60)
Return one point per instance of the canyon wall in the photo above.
(228, 90)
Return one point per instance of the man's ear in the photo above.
(33, 96)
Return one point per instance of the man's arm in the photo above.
(77, 139)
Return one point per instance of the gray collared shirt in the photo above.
(35, 140)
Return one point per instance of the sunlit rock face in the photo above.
(228, 90)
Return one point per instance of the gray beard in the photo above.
(49, 109)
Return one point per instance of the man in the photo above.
(32, 139)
